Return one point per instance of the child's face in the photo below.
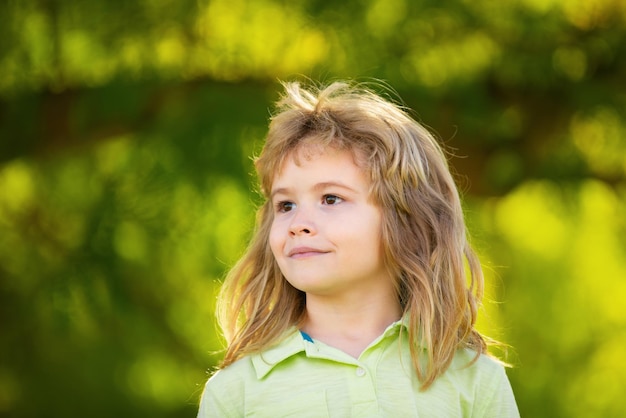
(326, 233)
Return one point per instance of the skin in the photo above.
(326, 239)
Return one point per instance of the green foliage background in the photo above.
(126, 129)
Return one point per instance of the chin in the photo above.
(310, 286)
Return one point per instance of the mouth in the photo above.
(302, 252)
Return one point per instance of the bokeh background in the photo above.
(126, 185)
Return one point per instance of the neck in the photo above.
(350, 323)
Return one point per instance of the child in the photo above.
(358, 294)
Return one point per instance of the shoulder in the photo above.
(232, 376)
(486, 384)
(475, 370)
(228, 391)
(222, 392)
(482, 362)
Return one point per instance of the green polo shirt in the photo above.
(307, 378)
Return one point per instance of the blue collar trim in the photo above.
(306, 336)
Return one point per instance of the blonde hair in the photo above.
(439, 280)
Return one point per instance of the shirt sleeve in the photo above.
(499, 401)
(222, 397)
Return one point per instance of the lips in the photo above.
(301, 252)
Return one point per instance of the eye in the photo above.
(285, 206)
(331, 199)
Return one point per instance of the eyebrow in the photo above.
(317, 187)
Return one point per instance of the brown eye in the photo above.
(285, 206)
(331, 199)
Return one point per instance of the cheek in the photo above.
(275, 240)
(376, 233)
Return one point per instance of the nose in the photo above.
(301, 224)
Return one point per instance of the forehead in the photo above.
(319, 167)
(311, 149)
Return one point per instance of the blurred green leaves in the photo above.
(564, 266)
(126, 187)
(110, 258)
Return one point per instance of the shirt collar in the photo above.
(295, 342)
(265, 361)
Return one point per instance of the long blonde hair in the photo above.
(439, 280)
